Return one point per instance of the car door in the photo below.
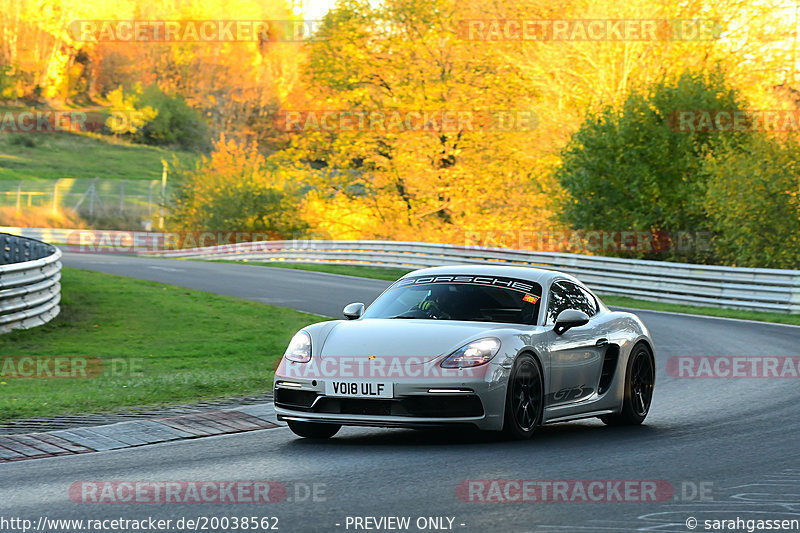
(576, 356)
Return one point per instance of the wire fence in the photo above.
(89, 198)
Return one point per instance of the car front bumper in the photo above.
(477, 402)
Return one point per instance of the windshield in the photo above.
(473, 298)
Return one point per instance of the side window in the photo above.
(591, 303)
(566, 295)
(559, 300)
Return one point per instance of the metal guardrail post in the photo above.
(795, 299)
(30, 272)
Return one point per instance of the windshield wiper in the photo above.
(405, 316)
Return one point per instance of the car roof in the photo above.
(539, 275)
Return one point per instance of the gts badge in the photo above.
(572, 393)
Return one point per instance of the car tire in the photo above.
(524, 398)
(640, 377)
(314, 430)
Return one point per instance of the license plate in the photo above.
(359, 389)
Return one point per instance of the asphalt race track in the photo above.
(736, 440)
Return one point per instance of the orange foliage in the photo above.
(40, 217)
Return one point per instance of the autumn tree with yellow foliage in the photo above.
(420, 180)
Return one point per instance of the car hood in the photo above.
(425, 339)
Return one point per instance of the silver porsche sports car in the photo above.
(494, 347)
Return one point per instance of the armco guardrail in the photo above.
(30, 291)
(756, 289)
(717, 286)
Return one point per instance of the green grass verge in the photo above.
(183, 345)
(51, 156)
(392, 274)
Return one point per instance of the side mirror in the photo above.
(570, 318)
(353, 311)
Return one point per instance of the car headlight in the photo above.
(299, 349)
(475, 353)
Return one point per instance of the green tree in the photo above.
(173, 122)
(236, 189)
(638, 168)
(753, 202)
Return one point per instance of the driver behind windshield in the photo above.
(436, 304)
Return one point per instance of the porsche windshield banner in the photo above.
(491, 281)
